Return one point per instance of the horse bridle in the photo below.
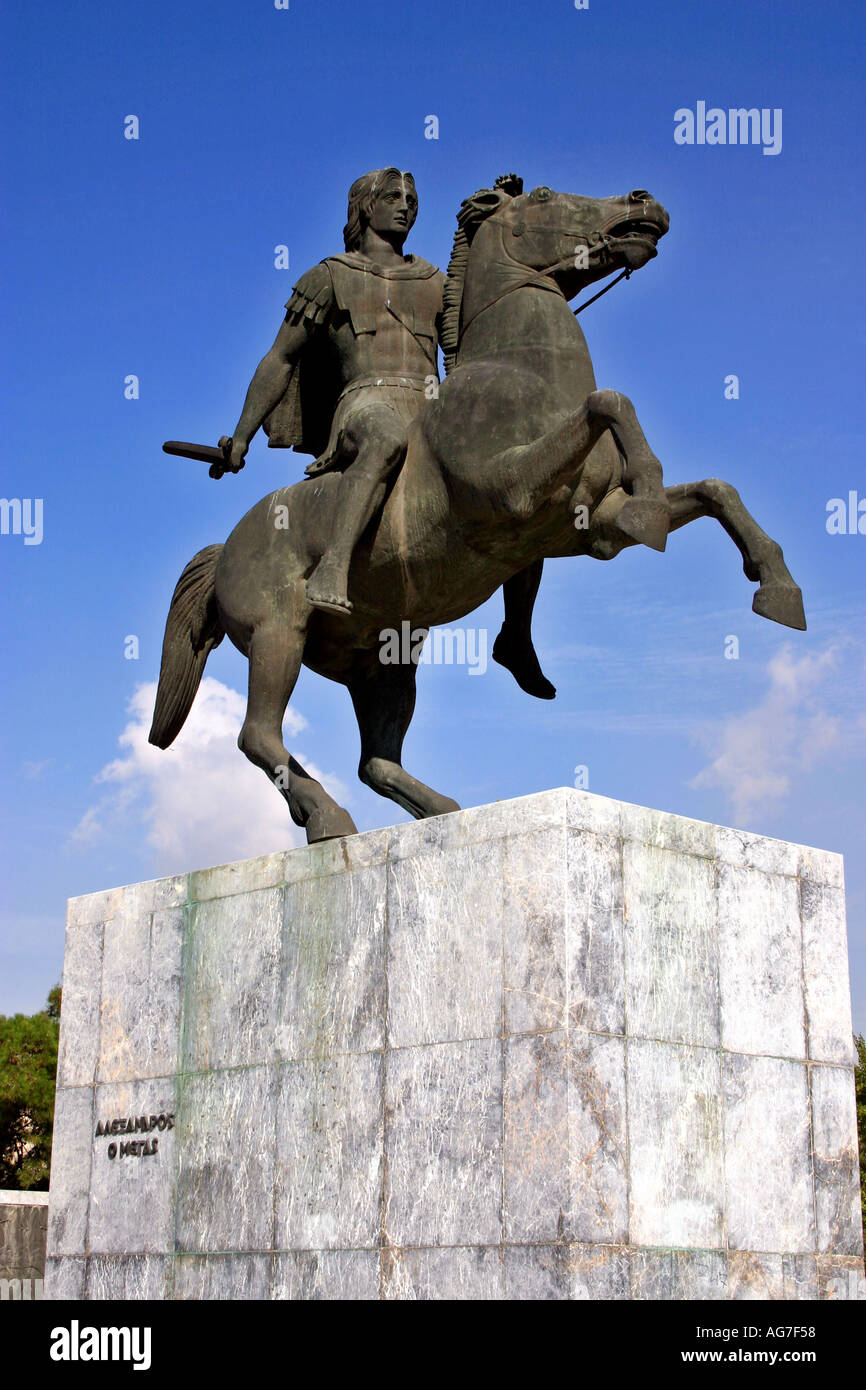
(602, 241)
(535, 277)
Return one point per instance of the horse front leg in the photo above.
(645, 516)
(527, 474)
(778, 597)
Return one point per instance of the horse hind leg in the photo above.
(384, 701)
(275, 657)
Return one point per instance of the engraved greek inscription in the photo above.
(135, 1124)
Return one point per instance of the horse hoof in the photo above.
(329, 823)
(645, 521)
(781, 603)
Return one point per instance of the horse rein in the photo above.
(538, 276)
(604, 244)
(623, 275)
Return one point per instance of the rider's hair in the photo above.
(362, 195)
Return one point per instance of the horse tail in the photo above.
(192, 630)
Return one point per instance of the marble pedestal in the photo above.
(557, 1047)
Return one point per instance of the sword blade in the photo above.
(202, 453)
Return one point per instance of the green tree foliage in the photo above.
(52, 1008)
(860, 1082)
(28, 1068)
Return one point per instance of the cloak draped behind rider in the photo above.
(302, 418)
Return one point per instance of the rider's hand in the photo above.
(235, 453)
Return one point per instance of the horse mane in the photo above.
(473, 211)
(452, 297)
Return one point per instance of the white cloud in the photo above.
(200, 802)
(756, 754)
(34, 771)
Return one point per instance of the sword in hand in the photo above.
(220, 458)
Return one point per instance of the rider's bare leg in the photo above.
(513, 647)
(373, 442)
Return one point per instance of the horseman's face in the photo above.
(394, 210)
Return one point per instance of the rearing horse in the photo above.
(519, 458)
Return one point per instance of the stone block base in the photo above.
(558, 1047)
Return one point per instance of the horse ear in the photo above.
(475, 210)
(511, 184)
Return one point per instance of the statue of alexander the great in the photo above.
(350, 368)
(519, 457)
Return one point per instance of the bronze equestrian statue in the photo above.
(516, 457)
(350, 368)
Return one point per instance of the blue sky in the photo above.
(156, 257)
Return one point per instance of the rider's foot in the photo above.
(518, 656)
(329, 603)
(645, 520)
(325, 590)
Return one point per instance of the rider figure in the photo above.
(347, 373)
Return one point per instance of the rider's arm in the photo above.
(270, 379)
(306, 312)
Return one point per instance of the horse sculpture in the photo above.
(518, 458)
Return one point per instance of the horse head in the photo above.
(577, 240)
(507, 238)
